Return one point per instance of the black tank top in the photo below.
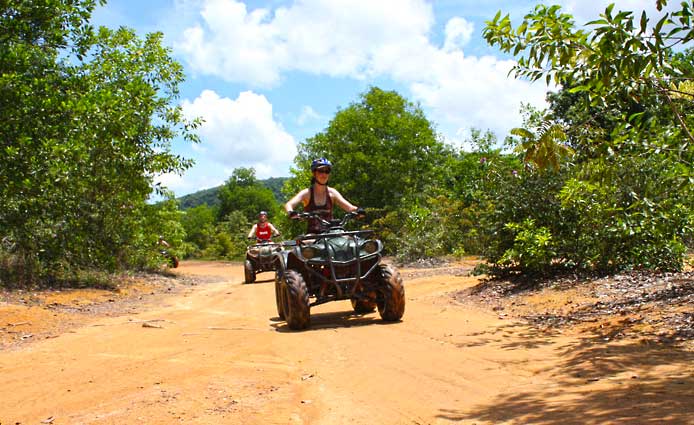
(326, 209)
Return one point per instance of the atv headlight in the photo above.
(308, 252)
(254, 251)
(370, 247)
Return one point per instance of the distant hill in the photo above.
(206, 196)
(211, 197)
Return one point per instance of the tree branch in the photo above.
(675, 111)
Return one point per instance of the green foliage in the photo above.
(220, 233)
(218, 230)
(211, 196)
(627, 219)
(455, 215)
(602, 180)
(625, 199)
(275, 184)
(618, 61)
(229, 241)
(532, 250)
(199, 224)
(383, 148)
(544, 147)
(242, 192)
(413, 232)
(87, 120)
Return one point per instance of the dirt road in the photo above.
(217, 354)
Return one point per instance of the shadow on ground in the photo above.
(333, 320)
(597, 383)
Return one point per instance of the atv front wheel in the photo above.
(391, 297)
(296, 304)
(363, 306)
(248, 272)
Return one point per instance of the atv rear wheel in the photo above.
(391, 297)
(279, 293)
(296, 304)
(249, 273)
(173, 261)
(363, 306)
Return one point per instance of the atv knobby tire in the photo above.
(249, 273)
(391, 299)
(296, 305)
(279, 293)
(173, 261)
(363, 306)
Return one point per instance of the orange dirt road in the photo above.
(217, 354)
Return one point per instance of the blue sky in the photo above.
(266, 75)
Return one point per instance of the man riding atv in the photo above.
(330, 263)
(260, 256)
(263, 230)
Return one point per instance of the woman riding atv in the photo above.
(319, 197)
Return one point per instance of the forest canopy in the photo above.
(602, 180)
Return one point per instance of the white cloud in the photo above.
(307, 114)
(458, 33)
(330, 37)
(242, 132)
(171, 181)
(360, 39)
(476, 92)
(584, 11)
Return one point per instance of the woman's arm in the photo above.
(299, 197)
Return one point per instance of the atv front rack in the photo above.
(329, 263)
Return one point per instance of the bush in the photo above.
(533, 249)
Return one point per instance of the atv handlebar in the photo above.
(317, 215)
(263, 241)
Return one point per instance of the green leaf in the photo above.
(578, 89)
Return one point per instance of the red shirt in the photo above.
(263, 231)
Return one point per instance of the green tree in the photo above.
(618, 61)
(626, 200)
(230, 238)
(199, 223)
(87, 118)
(243, 192)
(543, 146)
(383, 148)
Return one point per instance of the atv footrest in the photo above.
(324, 300)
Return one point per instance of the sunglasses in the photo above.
(323, 170)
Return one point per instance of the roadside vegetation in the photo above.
(601, 181)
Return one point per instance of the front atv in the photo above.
(336, 265)
(260, 258)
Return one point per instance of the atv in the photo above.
(171, 260)
(335, 265)
(260, 258)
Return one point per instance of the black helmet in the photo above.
(320, 162)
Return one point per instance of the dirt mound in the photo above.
(27, 316)
(637, 305)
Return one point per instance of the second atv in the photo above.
(260, 258)
(336, 265)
